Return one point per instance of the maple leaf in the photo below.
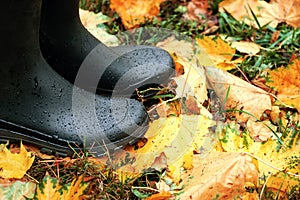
(287, 83)
(14, 165)
(75, 189)
(238, 94)
(133, 12)
(281, 184)
(48, 189)
(222, 175)
(272, 13)
(176, 138)
(219, 51)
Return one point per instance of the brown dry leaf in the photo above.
(239, 94)
(238, 8)
(283, 11)
(275, 12)
(287, 83)
(14, 165)
(260, 131)
(281, 184)
(219, 175)
(219, 52)
(133, 12)
(197, 9)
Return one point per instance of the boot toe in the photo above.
(136, 67)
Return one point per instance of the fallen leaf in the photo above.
(133, 12)
(192, 83)
(91, 22)
(219, 175)
(247, 100)
(175, 139)
(286, 81)
(188, 51)
(75, 189)
(197, 9)
(270, 158)
(14, 165)
(219, 51)
(160, 196)
(239, 8)
(261, 131)
(281, 184)
(273, 13)
(18, 191)
(48, 189)
(246, 47)
(283, 12)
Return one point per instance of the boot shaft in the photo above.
(60, 14)
(19, 30)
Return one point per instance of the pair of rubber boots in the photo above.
(59, 104)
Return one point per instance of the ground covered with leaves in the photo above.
(226, 127)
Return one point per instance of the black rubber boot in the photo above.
(38, 106)
(65, 44)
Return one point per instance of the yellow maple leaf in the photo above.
(219, 51)
(133, 12)
(177, 138)
(14, 165)
(287, 83)
(48, 189)
(75, 190)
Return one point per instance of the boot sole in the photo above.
(59, 147)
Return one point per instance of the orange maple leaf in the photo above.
(287, 83)
(135, 12)
(220, 52)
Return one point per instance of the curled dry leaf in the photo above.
(197, 9)
(219, 175)
(235, 93)
(133, 12)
